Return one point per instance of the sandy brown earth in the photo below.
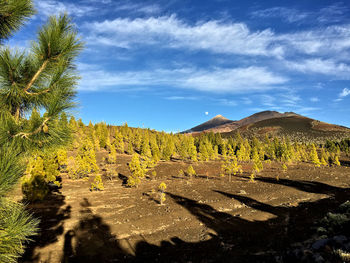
(204, 219)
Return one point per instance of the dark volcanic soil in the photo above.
(203, 219)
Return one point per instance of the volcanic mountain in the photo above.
(213, 123)
(288, 123)
(221, 124)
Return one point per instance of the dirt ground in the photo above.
(204, 219)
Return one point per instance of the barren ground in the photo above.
(203, 219)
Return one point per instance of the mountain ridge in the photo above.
(267, 121)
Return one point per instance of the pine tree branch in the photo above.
(38, 93)
(36, 76)
(36, 131)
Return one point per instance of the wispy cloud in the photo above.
(226, 102)
(171, 32)
(181, 98)
(331, 14)
(332, 41)
(314, 99)
(139, 8)
(344, 93)
(53, 7)
(288, 14)
(326, 67)
(287, 101)
(233, 80)
(323, 46)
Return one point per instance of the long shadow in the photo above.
(240, 240)
(232, 238)
(306, 186)
(345, 163)
(278, 211)
(231, 243)
(91, 240)
(52, 214)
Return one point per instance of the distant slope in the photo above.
(212, 123)
(265, 115)
(274, 123)
(294, 126)
(222, 124)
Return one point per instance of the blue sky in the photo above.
(170, 65)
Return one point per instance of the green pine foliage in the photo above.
(34, 185)
(190, 171)
(14, 13)
(137, 171)
(313, 156)
(161, 188)
(230, 167)
(44, 78)
(112, 155)
(97, 184)
(86, 160)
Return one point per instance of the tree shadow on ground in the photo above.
(303, 185)
(91, 240)
(241, 240)
(52, 214)
(230, 239)
(345, 163)
(123, 178)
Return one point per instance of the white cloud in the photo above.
(216, 36)
(330, 14)
(171, 32)
(181, 98)
(247, 101)
(330, 40)
(267, 100)
(53, 7)
(227, 102)
(288, 14)
(314, 99)
(234, 80)
(138, 8)
(326, 67)
(344, 93)
(239, 80)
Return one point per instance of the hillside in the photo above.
(217, 121)
(275, 123)
(222, 124)
(298, 127)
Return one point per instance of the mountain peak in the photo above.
(219, 117)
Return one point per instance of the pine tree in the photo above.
(190, 171)
(230, 167)
(97, 184)
(62, 158)
(192, 149)
(137, 171)
(86, 160)
(162, 188)
(313, 156)
(257, 164)
(154, 149)
(119, 142)
(51, 167)
(34, 185)
(112, 155)
(130, 149)
(43, 78)
(203, 152)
